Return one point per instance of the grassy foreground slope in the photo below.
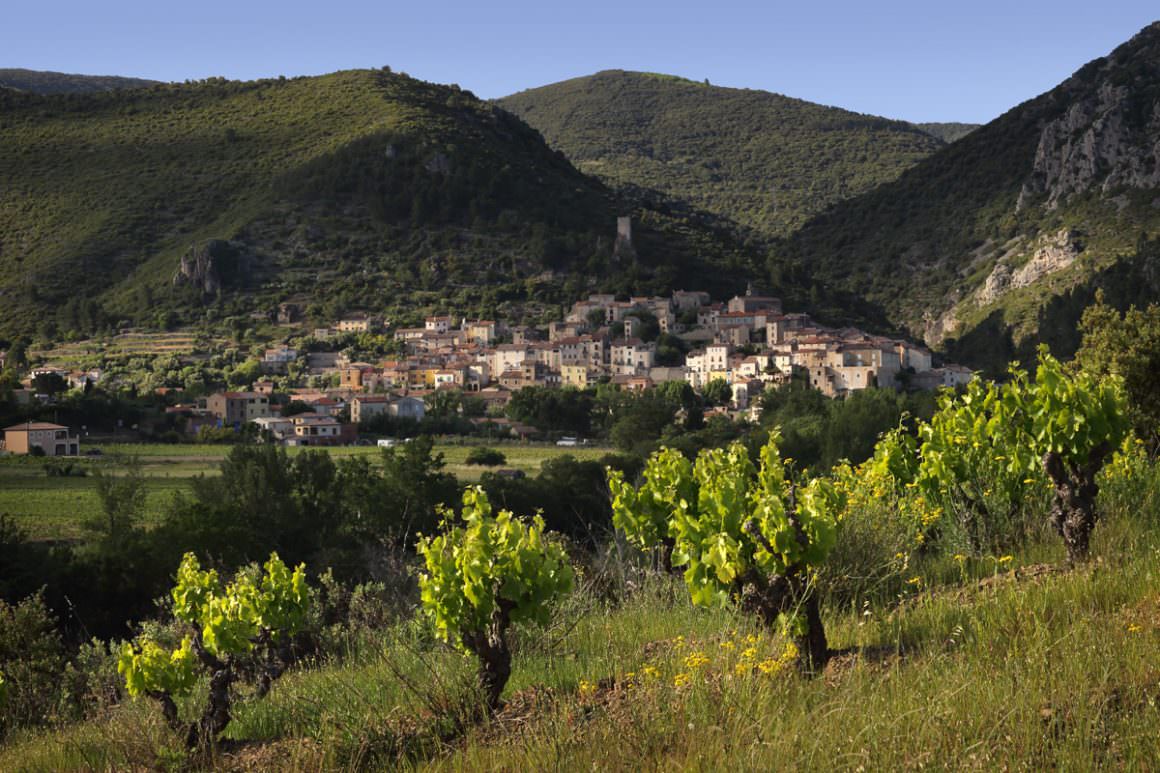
(1010, 664)
(764, 160)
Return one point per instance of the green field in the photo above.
(53, 508)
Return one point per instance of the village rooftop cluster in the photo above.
(748, 343)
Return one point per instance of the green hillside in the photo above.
(359, 188)
(763, 160)
(981, 246)
(40, 82)
(948, 132)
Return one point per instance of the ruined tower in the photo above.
(623, 248)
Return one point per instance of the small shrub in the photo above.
(488, 457)
(31, 660)
(90, 681)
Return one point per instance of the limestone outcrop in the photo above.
(210, 266)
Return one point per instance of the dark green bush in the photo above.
(487, 457)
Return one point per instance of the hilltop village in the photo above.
(734, 350)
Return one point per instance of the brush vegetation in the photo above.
(976, 664)
(763, 160)
(359, 189)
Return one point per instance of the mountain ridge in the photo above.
(356, 189)
(51, 82)
(1022, 210)
(765, 160)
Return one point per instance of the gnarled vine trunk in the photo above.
(770, 597)
(216, 716)
(204, 732)
(1073, 508)
(495, 657)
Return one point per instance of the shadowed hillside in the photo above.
(357, 189)
(1020, 211)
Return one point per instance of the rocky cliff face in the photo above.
(1051, 254)
(209, 266)
(1108, 137)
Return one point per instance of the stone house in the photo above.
(237, 408)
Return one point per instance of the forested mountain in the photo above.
(999, 238)
(40, 82)
(356, 189)
(763, 160)
(948, 132)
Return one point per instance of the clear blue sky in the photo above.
(937, 60)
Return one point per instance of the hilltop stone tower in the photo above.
(623, 248)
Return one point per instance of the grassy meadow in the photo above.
(54, 507)
(1024, 666)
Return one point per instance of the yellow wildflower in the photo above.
(727, 645)
(1133, 628)
(650, 672)
(696, 660)
(960, 557)
(1006, 559)
(750, 653)
(770, 666)
(916, 580)
(587, 688)
(742, 668)
(681, 680)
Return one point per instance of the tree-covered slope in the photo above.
(985, 233)
(360, 188)
(948, 131)
(764, 160)
(41, 82)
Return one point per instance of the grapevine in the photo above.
(989, 452)
(1076, 422)
(484, 575)
(230, 626)
(741, 532)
